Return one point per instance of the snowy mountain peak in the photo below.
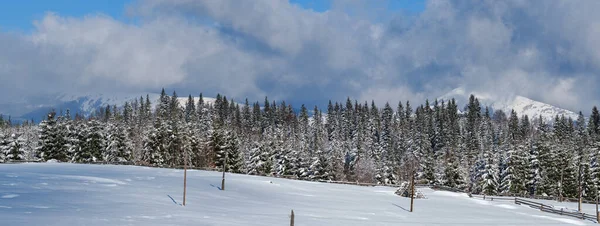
(520, 104)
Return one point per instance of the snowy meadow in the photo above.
(75, 194)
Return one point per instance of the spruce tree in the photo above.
(50, 144)
(14, 149)
(4, 146)
(217, 143)
(234, 156)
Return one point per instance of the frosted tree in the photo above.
(217, 144)
(51, 140)
(15, 145)
(234, 156)
(73, 138)
(473, 117)
(93, 146)
(4, 145)
(565, 158)
(489, 177)
(321, 168)
(547, 157)
(154, 144)
(518, 168)
(489, 173)
(261, 160)
(117, 149)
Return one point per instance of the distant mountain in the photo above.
(89, 103)
(522, 105)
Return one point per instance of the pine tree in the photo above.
(234, 156)
(72, 143)
(93, 146)
(116, 148)
(217, 146)
(472, 138)
(4, 146)
(548, 185)
(15, 145)
(261, 160)
(50, 146)
(452, 177)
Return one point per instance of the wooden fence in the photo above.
(492, 198)
(563, 199)
(550, 209)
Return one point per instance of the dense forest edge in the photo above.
(471, 149)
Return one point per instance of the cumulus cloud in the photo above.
(544, 50)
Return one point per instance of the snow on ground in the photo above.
(72, 194)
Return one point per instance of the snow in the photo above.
(522, 105)
(74, 194)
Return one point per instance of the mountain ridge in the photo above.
(520, 104)
(86, 104)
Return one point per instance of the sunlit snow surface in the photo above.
(71, 194)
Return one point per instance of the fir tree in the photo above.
(15, 145)
(50, 146)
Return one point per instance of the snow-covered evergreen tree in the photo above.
(117, 149)
(15, 147)
(51, 140)
(4, 145)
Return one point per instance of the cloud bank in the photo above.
(544, 50)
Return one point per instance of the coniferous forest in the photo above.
(468, 148)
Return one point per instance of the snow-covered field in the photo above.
(72, 194)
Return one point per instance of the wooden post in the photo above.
(597, 213)
(580, 199)
(224, 169)
(292, 219)
(412, 196)
(184, 182)
(184, 175)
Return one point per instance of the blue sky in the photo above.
(19, 15)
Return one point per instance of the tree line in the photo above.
(472, 148)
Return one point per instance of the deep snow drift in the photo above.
(72, 194)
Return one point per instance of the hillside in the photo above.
(72, 194)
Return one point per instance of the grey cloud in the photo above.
(544, 50)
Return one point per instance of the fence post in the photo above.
(580, 198)
(412, 196)
(184, 176)
(292, 219)
(224, 169)
(184, 182)
(597, 213)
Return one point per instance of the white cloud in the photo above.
(542, 50)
